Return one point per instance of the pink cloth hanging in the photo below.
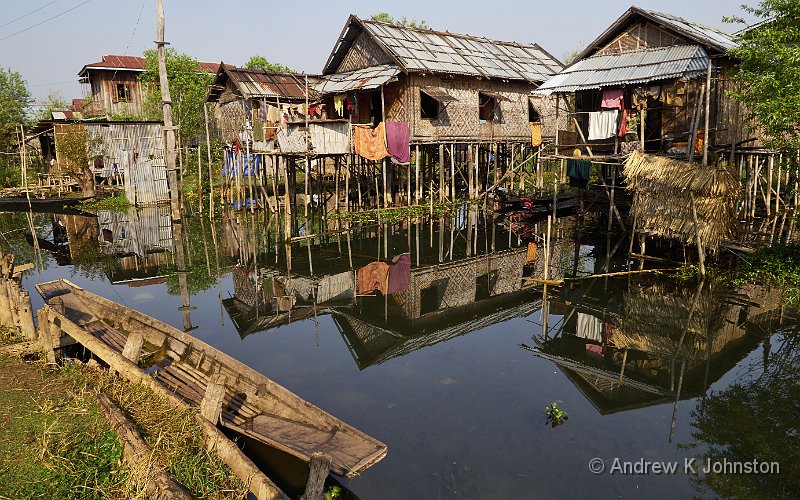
(612, 99)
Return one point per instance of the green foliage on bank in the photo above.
(778, 265)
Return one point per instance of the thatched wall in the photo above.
(459, 120)
(662, 199)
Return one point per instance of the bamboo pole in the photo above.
(708, 112)
(199, 181)
(700, 249)
(210, 176)
(416, 173)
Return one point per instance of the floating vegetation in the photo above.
(555, 415)
(393, 215)
(117, 202)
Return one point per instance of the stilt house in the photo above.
(448, 87)
(661, 66)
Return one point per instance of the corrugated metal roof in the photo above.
(364, 79)
(259, 83)
(424, 50)
(134, 63)
(700, 32)
(640, 66)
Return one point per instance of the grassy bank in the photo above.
(778, 265)
(54, 443)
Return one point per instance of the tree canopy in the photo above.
(769, 71)
(384, 17)
(188, 86)
(260, 62)
(14, 101)
(55, 102)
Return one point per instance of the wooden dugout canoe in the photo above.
(254, 405)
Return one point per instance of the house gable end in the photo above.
(642, 35)
(364, 53)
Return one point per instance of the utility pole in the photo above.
(169, 129)
(172, 173)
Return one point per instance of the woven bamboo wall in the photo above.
(364, 53)
(460, 120)
(230, 118)
(641, 36)
(456, 282)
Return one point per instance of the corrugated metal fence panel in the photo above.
(115, 141)
(148, 182)
(330, 138)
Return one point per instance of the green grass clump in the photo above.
(53, 441)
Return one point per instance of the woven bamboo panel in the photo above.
(459, 120)
(364, 53)
(641, 36)
(230, 118)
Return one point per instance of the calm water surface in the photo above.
(437, 372)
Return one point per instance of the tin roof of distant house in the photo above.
(134, 63)
(423, 50)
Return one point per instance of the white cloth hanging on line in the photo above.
(603, 124)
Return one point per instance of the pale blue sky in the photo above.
(298, 34)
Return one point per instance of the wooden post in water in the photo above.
(210, 176)
(416, 174)
(700, 249)
(441, 173)
(708, 112)
(167, 110)
(319, 467)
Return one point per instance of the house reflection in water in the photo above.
(141, 240)
(132, 247)
(631, 345)
(466, 273)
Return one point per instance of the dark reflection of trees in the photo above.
(199, 255)
(757, 418)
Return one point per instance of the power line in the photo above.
(28, 14)
(46, 20)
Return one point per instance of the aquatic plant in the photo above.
(555, 415)
(333, 492)
(118, 202)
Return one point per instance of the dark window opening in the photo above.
(484, 284)
(377, 109)
(533, 115)
(429, 299)
(123, 92)
(429, 107)
(487, 107)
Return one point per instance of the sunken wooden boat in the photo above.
(253, 406)
(21, 204)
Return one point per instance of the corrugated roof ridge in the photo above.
(646, 49)
(690, 23)
(447, 33)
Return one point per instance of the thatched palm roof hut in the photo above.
(667, 193)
